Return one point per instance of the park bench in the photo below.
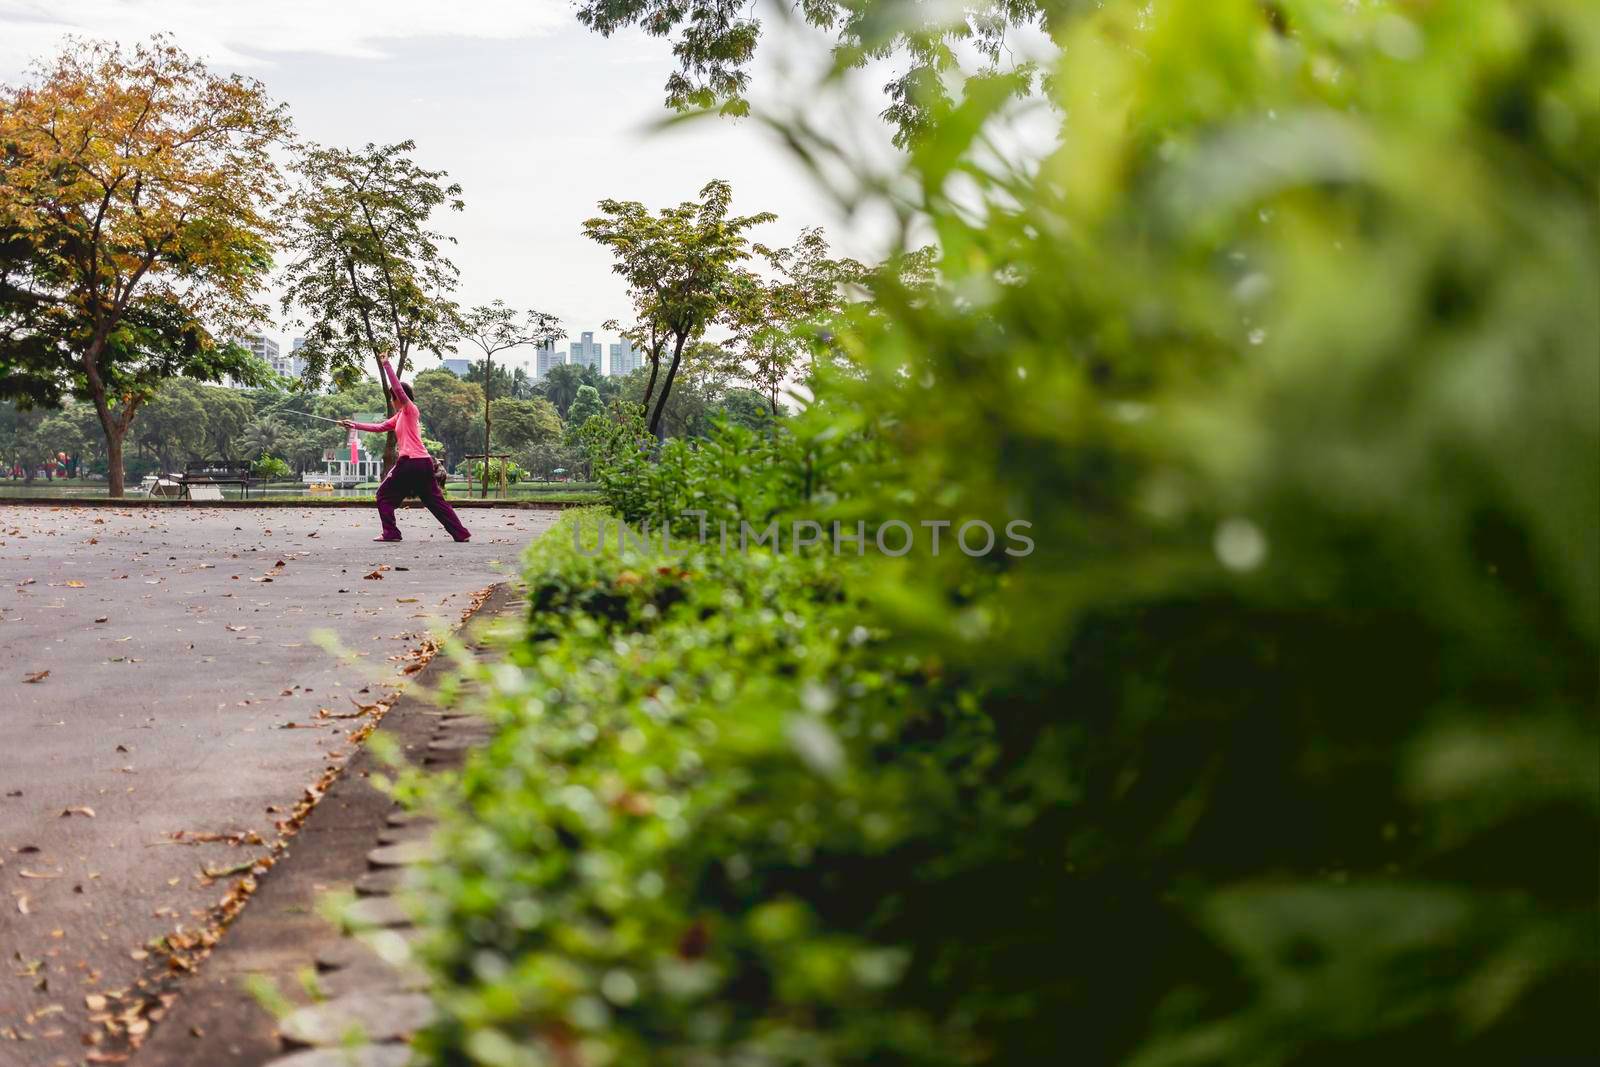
(203, 479)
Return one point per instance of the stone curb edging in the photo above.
(356, 838)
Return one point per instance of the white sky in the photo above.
(535, 116)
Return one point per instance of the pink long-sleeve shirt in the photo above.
(406, 422)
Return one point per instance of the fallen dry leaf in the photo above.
(36, 676)
(362, 709)
(80, 810)
(74, 584)
(223, 872)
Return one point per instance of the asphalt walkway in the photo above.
(165, 703)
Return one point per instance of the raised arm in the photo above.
(375, 427)
(399, 394)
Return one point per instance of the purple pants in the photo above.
(414, 477)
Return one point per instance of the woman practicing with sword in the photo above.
(412, 473)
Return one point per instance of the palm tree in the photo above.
(561, 384)
(264, 437)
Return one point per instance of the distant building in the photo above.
(546, 357)
(292, 365)
(266, 349)
(625, 359)
(263, 347)
(458, 367)
(586, 351)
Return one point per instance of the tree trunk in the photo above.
(666, 387)
(650, 387)
(488, 374)
(114, 461)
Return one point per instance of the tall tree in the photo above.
(648, 336)
(682, 265)
(369, 272)
(495, 328)
(787, 317)
(140, 184)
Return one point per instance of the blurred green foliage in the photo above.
(1279, 749)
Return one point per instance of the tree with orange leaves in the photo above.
(138, 186)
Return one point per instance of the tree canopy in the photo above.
(681, 265)
(368, 271)
(495, 327)
(135, 229)
(939, 45)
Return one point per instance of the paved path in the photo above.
(358, 841)
(169, 717)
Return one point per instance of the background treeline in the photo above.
(147, 201)
(534, 421)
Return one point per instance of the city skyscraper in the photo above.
(625, 359)
(546, 357)
(267, 350)
(263, 347)
(585, 351)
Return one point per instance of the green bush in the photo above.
(474, 472)
(1278, 749)
(732, 474)
(651, 837)
(271, 468)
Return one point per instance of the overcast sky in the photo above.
(535, 116)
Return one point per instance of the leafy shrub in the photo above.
(653, 836)
(271, 468)
(732, 474)
(474, 471)
(1278, 749)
